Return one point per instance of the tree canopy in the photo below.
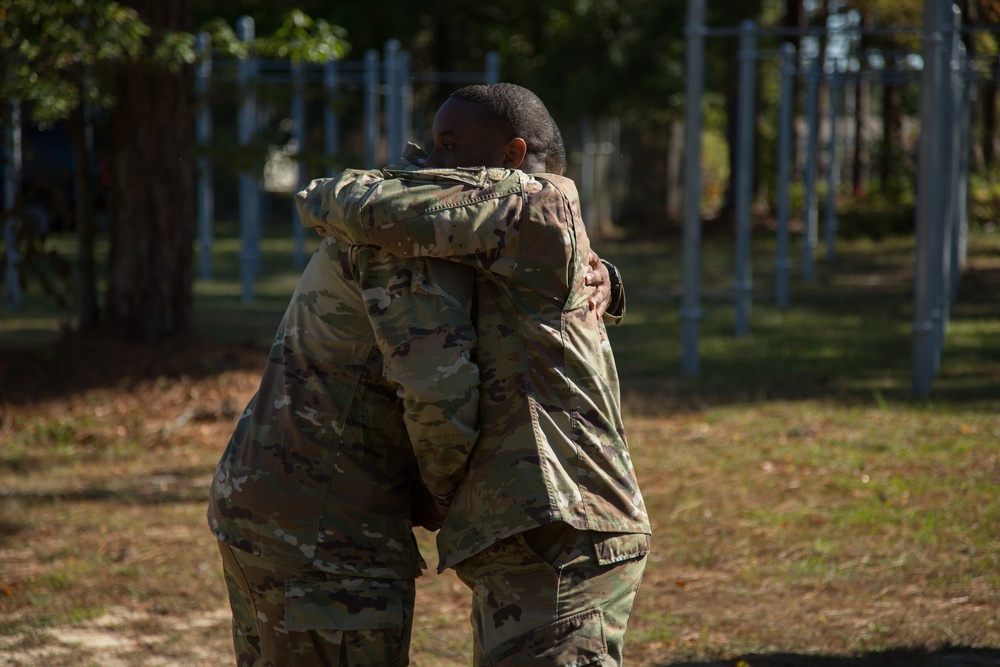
(46, 45)
(58, 55)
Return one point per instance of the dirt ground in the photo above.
(179, 400)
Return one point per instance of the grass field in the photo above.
(807, 509)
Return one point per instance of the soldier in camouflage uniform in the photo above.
(361, 427)
(311, 500)
(547, 525)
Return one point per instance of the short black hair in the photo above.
(520, 113)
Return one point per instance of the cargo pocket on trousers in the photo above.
(569, 642)
(350, 605)
(618, 547)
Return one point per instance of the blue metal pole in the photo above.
(968, 98)
(331, 123)
(694, 85)
(833, 165)
(743, 289)
(371, 107)
(299, 137)
(11, 187)
(405, 101)
(810, 214)
(949, 172)
(926, 314)
(394, 144)
(783, 263)
(203, 139)
(492, 74)
(959, 164)
(946, 180)
(249, 192)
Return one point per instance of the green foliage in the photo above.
(591, 56)
(984, 200)
(607, 56)
(892, 12)
(175, 50)
(301, 38)
(714, 168)
(58, 53)
(879, 215)
(47, 45)
(224, 40)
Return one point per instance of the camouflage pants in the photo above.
(554, 596)
(284, 616)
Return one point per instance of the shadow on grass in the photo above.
(133, 495)
(159, 487)
(943, 657)
(168, 487)
(77, 363)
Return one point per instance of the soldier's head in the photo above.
(496, 125)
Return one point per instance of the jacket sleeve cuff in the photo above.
(615, 311)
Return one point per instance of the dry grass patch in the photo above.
(811, 529)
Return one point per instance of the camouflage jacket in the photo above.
(552, 444)
(369, 383)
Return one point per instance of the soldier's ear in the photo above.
(514, 152)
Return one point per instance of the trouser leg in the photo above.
(289, 617)
(545, 597)
(244, 601)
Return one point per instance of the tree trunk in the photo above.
(889, 177)
(152, 191)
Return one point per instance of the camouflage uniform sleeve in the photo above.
(421, 318)
(421, 213)
(330, 205)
